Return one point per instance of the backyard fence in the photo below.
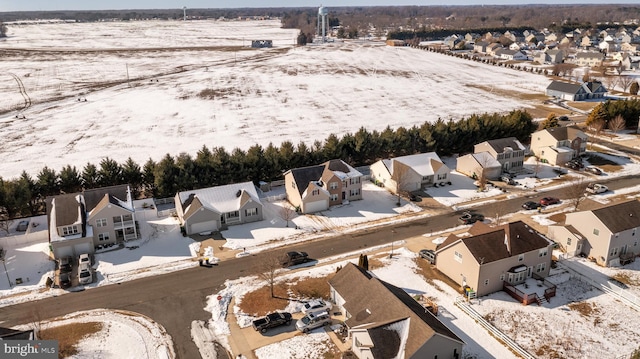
(497, 333)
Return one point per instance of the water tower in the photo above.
(322, 17)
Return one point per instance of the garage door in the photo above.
(66, 251)
(316, 206)
(81, 248)
(203, 227)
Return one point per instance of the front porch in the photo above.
(533, 290)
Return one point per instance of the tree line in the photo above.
(605, 112)
(25, 195)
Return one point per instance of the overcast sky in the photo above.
(29, 5)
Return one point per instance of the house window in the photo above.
(596, 231)
(614, 251)
(354, 180)
(457, 256)
(486, 282)
(334, 197)
(315, 192)
(102, 222)
(442, 176)
(354, 192)
(250, 212)
(568, 241)
(69, 230)
(502, 277)
(333, 185)
(541, 267)
(293, 184)
(103, 237)
(635, 243)
(542, 252)
(234, 214)
(520, 257)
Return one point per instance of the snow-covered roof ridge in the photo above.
(222, 199)
(420, 162)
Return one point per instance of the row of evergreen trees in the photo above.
(25, 195)
(606, 111)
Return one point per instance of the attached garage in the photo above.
(200, 227)
(72, 247)
(81, 248)
(316, 206)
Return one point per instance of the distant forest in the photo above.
(378, 20)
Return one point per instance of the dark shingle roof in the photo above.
(620, 217)
(67, 209)
(93, 196)
(564, 87)
(386, 342)
(302, 176)
(501, 143)
(371, 300)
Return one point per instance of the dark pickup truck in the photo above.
(293, 258)
(271, 321)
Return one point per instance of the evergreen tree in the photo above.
(48, 183)
(109, 173)
(149, 178)
(551, 121)
(633, 89)
(222, 166)
(237, 164)
(205, 173)
(331, 148)
(165, 175)
(186, 177)
(273, 166)
(90, 176)
(132, 175)
(255, 163)
(70, 180)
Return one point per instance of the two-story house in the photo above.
(609, 235)
(409, 173)
(490, 257)
(558, 145)
(509, 152)
(316, 188)
(79, 222)
(384, 321)
(216, 208)
(590, 59)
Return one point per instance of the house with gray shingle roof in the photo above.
(576, 92)
(316, 188)
(216, 208)
(558, 145)
(385, 322)
(79, 222)
(488, 257)
(609, 235)
(410, 173)
(589, 58)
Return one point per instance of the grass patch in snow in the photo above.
(260, 302)
(431, 274)
(311, 287)
(69, 335)
(626, 279)
(585, 309)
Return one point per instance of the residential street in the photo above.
(176, 299)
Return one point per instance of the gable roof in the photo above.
(490, 244)
(566, 87)
(620, 217)
(564, 133)
(107, 200)
(390, 304)
(590, 55)
(93, 196)
(425, 164)
(386, 339)
(221, 199)
(303, 175)
(484, 159)
(341, 169)
(68, 209)
(499, 145)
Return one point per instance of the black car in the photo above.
(293, 258)
(64, 264)
(415, 197)
(64, 280)
(531, 205)
(470, 218)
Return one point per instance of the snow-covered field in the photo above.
(154, 106)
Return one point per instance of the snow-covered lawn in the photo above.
(259, 96)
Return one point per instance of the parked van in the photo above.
(312, 321)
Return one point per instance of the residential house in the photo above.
(79, 222)
(410, 173)
(591, 59)
(480, 46)
(216, 208)
(609, 235)
(558, 145)
(509, 152)
(316, 188)
(491, 259)
(476, 165)
(553, 56)
(576, 92)
(586, 42)
(384, 321)
(511, 55)
(492, 48)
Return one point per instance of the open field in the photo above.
(160, 87)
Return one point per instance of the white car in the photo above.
(596, 188)
(85, 276)
(84, 258)
(316, 305)
(312, 321)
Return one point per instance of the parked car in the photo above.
(595, 188)
(316, 305)
(531, 205)
(563, 118)
(293, 258)
(575, 164)
(64, 264)
(547, 201)
(22, 226)
(428, 254)
(271, 321)
(414, 197)
(507, 179)
(64, 280)
(312, 321)
(85, 276)
(84, 258)
(470, 218)
(594, 170)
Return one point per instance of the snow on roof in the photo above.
(420, 162)
(222, 198)
(486, 160)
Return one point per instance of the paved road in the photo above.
(176, 299)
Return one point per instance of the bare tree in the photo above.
(597, 127)
(625, 82)
(617, 124)
(537, 167)
(402, 177)
(576, 193)
(287, 213)
(610, 82)
(5, 222)
(268, 271)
